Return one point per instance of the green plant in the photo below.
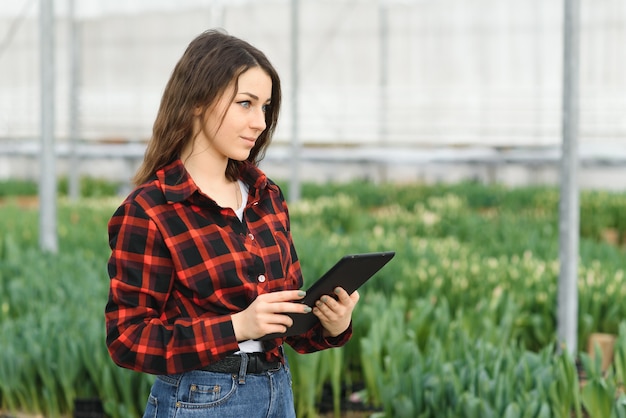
(14, 187)
(461, 323)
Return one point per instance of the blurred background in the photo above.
(405, 123)
(398, 90)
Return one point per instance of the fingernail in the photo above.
(324, 299)
(301, 293)
(307, 309)
(337, 290)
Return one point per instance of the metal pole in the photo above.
(567, 316)
(217, 14)
(294, 184)
(383, 81)
(47, 175)
(74, 47)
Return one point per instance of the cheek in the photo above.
(217, 121)
(215, 127)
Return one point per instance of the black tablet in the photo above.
(350, 272)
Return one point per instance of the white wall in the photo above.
(460, 72)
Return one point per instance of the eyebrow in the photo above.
(254, 96)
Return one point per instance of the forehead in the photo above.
(255, 81)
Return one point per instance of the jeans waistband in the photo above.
(257, 364)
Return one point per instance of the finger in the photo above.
(274, 324)
(328, 306)
(283, 296)
(330, 302)
(345, 298)
(321, 315)
(280, 319)
(323, 302)
(274, 328)
(342, 295)
(288, 307)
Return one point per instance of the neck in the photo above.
(214, 183)
(203, 165)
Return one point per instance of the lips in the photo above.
(250, 140)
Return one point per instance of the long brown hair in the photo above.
(212, 62)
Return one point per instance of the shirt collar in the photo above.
(177, 185)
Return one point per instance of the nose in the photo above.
(258, 120)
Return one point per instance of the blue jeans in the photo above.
(207, 394)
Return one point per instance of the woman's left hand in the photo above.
(336, 314)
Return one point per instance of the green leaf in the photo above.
(597, 398)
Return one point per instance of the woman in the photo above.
(203, 264)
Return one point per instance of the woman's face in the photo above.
(243, 116)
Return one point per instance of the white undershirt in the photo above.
(243, 187)
(248, 346)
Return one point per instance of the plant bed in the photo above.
(352, 402)
(88, 408)
(465, 314)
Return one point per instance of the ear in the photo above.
(198, 111)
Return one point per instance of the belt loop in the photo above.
(283, 357)
(243, 368)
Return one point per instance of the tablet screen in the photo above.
(350, 272)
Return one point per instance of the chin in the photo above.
(240, 157)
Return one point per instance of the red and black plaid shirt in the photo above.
(181, 265)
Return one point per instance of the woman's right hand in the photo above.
(266, 314)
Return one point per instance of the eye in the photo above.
(244, 103)
(266, 107)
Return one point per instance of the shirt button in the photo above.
(251, 236)
(261, 278)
